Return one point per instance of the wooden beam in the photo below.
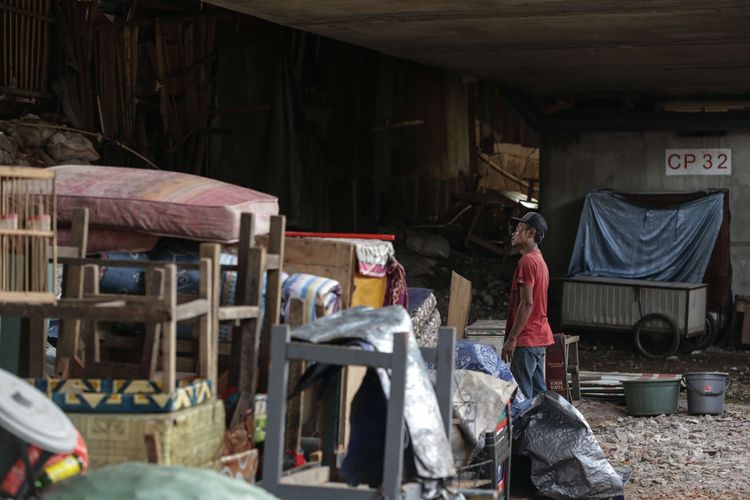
(230, 313)
(497, 168)
(459, 304)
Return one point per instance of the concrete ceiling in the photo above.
(545, 47)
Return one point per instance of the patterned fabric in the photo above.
(396, 292)
(160, 202)
(372, 255)
(122, 396)
(425, 317)
(315, 291)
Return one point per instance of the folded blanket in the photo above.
(317, 293)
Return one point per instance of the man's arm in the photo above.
(522, 317)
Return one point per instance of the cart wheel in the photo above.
(656, 336)
(706, 339)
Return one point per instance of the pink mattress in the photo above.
(111, 240)
(159, 202)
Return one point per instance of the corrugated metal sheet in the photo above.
(619, 304)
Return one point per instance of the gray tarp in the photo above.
(433, 457)
(619, 239)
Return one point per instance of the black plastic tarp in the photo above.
(566, 459)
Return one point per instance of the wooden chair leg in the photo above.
(37, 334)
(206, 355)
(247, 336)
(273, 298)
(213, 252)
(150, 355)
(169, 331)
(69, 332)
(88, 329)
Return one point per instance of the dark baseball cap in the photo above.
(535, 220)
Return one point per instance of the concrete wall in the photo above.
(572, 165)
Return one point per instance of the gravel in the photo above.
(679, 455)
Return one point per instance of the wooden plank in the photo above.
(138, 264)
(212, 251)
(89, 328)
(246, 338)
(230, 313)
(67, 252)
(104, 298)
(110, 311)
(330, 259)
(111, 369)
(206, 357)
(169, 331)
(28, 297)
(37, 347)
(276, 246)
(193, 309)
(67, 342)
(316, 252)
(27, 172)
(243, 297)
(459, 304)
(27, 232)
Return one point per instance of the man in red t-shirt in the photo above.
(527, 330)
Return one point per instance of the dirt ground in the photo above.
(671, 457)
(608, 358)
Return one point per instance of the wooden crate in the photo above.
(191, 437)
(27, 235)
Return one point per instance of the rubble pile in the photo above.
(679, 455)
(31, 141)
(429, 260)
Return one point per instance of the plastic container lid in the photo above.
(29, 415)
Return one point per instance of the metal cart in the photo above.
(660, 314)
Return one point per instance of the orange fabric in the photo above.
(531, 271)
(368, 291)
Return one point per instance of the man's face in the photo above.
(523, 235)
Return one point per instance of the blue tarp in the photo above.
(619, 239)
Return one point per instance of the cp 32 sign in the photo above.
(698, 161)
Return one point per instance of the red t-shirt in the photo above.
(531, 271)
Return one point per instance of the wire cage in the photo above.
(28, 229)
